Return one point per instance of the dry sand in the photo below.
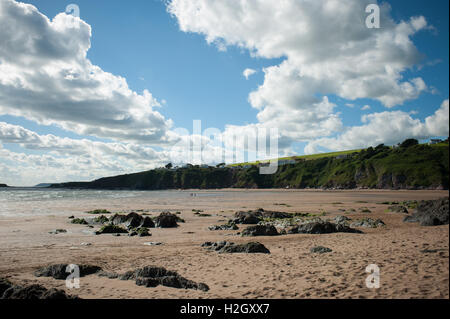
(290, 271)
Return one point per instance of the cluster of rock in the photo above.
(260, 230)
(152, 276)
(132, 224)
(430, 213)
(229, 247)
(256, 216)
(11, 291)
(319, 226)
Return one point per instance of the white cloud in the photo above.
(388, 128)
(327, 50)
(365, 107)
(45, 76)
(248, 72)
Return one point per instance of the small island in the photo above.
(3, 185)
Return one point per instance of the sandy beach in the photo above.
(290, 271)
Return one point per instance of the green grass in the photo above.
(303, 157)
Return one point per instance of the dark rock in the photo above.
(140, 231)
(248, 248)
(5, 284)
(111, 229)
(250, 217)
(430, 213)
(256, 216)
(152, 276)
(320, 250)
(148, 222)
(398, 209)
(166, 220)
(133, 220)
(58, 271)
(322, 227)
(34, 292)
(117, 219)
(80, 221)
(147, 282)
(260, 230)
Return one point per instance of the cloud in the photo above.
(327, 50)
(248, 72)
(69, 159)
(45, 76)
(388, 128)
(365, 107)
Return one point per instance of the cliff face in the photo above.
(414, 167)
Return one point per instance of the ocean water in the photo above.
(43, 201)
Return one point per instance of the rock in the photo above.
(229, 226)
(320, 250)
(166, 220)
(58, 271)
(368, 223)
(248, 248)
(250, 217)
(260, 230)
(100, 220)
(152, 276)
(117, 219)
(430, 213)
(34, 292)
(322, 227)
(398, 209)
(229, 247)
(148, 222)
(4, 285)
(80, 221)
(57, 231)
(111, 229)
(133, 220)
(140, 231)
(256, 216)
(71, 217)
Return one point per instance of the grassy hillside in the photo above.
(408, 167)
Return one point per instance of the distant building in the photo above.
(286, 162)
(435, 141)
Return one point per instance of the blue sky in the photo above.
(200, 82)
(192, 79)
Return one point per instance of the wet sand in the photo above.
(290, 271)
